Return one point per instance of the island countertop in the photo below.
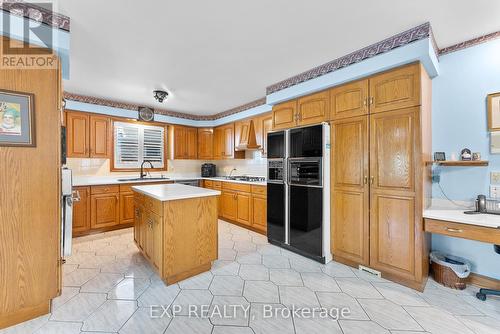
(174, 191)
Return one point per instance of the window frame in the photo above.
(132, 121)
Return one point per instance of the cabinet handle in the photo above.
(300, 116)
(372, 100)
(365, 179)
(372, 179)
(454, 230)
(117, 198)
(365, 102)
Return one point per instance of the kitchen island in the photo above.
(176, 228)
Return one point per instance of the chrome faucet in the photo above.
(143, 175)
(231, 172)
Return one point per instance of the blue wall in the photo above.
(459, 119)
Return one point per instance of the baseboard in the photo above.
(24, 314)
(102, 229)
(484, 281)
(243, 225)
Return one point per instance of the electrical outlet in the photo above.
(495, 177)
(494, 191)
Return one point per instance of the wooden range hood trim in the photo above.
(251, 143)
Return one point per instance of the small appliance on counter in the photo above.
(485, 205)
(208, 170)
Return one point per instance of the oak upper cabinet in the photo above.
(183, 142)
(392, 170)
(192, 143)
(218, 145)
(263, 124)
(228, 135)
(179, 142)
(105, 206)
(313, 109)
(205, 143)
(81, 211)
(349, 100)
(395, 89)
(285, 115)
(87, 136)
(244, 215)
(350, 190)
(100, 137)
(77, 135)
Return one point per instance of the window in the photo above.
(135, 143)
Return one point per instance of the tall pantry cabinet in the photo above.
(380, 183)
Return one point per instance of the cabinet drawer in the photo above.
(237, 187)
(209, 183)
(465, 231)
(153, 205)
(260, 190)
(217, 185)
(107, 189)
(126, 188)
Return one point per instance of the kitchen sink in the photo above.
(143, 179)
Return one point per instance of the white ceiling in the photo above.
(215, 55)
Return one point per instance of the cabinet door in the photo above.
(228, 134)
(81, 211)
(137, 225)
(349, 100)
(392, 193)
(218, 143)
(100, 135)
(244, 211)
(229, 205)
(205, 143)
(350, 192)
(105, 211)
(192, 143)
(148, 229)
(259, 212)
(263, 124)
(314, 108)
(395, 89)
(77, 135)
(180, 142)
(241, 133)
(285, 115)
(157, 249)
(127, 208)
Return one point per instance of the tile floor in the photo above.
(109, 288)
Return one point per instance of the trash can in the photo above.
(449, 270)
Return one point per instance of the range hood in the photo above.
(247, 141)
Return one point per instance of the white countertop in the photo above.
(458, 216)
(174, 191)
(80, 181)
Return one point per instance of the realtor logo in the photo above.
(29, 45)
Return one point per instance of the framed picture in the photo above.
(494, 112)
(17, 119)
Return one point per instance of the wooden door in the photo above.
(218, 143)
(392, 199)
(100, 137)
(285, 115)
(180, 142)
(244, 210)
(228, 135)
(350, 190)
(77, 135)
(104, 210)
(259, 212)
(349, 100)
(314, 108)
(127, 208)
(206, 143)
(395, 89)
(157, 236)
(229, 205)
(81, 211)
(192, 143)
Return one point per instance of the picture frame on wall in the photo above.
(17, 119)
(494, 111)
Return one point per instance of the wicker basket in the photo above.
(447, 277)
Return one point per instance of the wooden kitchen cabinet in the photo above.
(127, 213)
(183, 142)
(350, 189)
(104, 210)
(263, 124)
(224, 147)
(192, 143)
(395, 89)
(259, 212)
(285, 115)
(244, 211)
(87, 136)
(77, 135)
(313, 109)
(81, 211)
(229, 205)
(157, 254)
(206, 143)
(228, 147)
(349, 100)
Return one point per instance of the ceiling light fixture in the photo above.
(160, 95)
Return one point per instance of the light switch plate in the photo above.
(495, 177)
(494, 191)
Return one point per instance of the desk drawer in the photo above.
(109, 189)
(465, 231)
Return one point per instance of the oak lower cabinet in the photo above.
(126, 208)
(229, 205)
(104, 210)
(148, 230)
(380, 186)
(259, 212)
(81, 210)
(243, 202)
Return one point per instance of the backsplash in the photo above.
(253, 165)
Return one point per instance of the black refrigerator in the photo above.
(298, 207)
